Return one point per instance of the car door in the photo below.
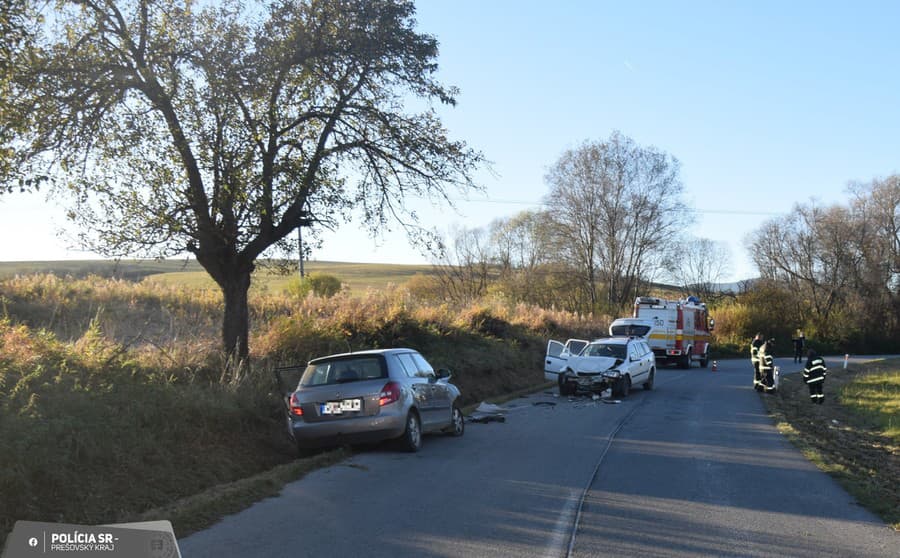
(639, 363)
(557, 356)
(416, 382)
(436, 412)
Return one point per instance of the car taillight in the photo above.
(295, 406)
(389, 393)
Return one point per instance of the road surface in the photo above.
(693, 467)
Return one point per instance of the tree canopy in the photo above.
(219, 129)
(616, 206)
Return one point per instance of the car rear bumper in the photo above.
(357, 430)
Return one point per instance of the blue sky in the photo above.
(765, 104)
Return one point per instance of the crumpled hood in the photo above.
(593, 365)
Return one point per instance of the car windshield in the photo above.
(344, 370)
(605, 350)
(630, 330)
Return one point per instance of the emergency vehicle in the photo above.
(678, 331)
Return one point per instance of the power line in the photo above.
(689, 209)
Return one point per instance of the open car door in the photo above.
(288, 378)
(558, 355)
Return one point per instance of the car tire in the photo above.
(685, 361)
(648, 385)
(411, 440)
(622, 387)
(705, 360)
(564, 388)
(458, 423)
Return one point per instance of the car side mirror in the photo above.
(443, 373)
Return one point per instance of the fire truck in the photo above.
(678, 331)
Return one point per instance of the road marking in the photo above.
(563, 527)
(587, 488)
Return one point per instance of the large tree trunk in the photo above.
(232, 273)
(236, 323)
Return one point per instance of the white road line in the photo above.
(563, 528)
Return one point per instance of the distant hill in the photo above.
(358, 277)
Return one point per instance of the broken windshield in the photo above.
(605, 350)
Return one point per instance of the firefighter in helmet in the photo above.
(767, 366)
(754, 360)
(814, 376)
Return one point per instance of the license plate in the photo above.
(340, 407)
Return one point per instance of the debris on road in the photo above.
(488, 412)
(487, 418)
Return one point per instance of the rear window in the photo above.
(344, 370)
(630, 330)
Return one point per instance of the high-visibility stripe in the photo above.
(812, 380)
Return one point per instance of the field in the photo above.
(357, 277)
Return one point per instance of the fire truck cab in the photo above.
(678, 331)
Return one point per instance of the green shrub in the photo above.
(319, 284)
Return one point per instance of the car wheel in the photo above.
(411, 440)
(458, 426)
(564, 387)
(648, 385)
(622, 387)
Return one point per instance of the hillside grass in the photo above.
(855, 435)
(358, 278)
(116, 405)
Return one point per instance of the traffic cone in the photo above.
(715, 367)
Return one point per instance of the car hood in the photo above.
(592, 365)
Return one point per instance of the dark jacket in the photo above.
(815, 370)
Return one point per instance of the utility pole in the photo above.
(304, 222)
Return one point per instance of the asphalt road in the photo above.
(693, 467)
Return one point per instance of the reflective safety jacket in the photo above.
(815, 370)
(766, 363)
(754, 350)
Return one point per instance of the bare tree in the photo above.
(815, 252)
(615, 206)
(218, 130)
(698, 265)
(464, 267)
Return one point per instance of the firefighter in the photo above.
(767, 366)
(814, 376)
(754, 360)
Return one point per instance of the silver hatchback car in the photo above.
(370, 396)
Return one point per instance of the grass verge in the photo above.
(194, 513)
(854, 436)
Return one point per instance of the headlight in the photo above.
(612, 373)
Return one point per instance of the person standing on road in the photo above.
(754, 360)
(767, 366)
(799, 343)
(814, 376)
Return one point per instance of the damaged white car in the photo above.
(615, 363)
